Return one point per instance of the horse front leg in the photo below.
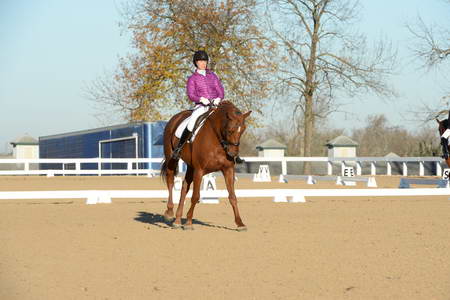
(228, 174)
(184, 190)
(195, 198)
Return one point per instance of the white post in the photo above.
(99, 164)
(421, 169)
(438, 169)
(358, 168)
(78, 167)
(342, 167)
(330, 168)
(389, 168)
(405, 169)
(283, 166)
(129, 166)
(373, 170)
(26, 166)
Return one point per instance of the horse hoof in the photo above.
(241, 228)
(169, 218)
(177, 226)
(188, 227)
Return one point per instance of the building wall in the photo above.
(271, 153)
(342, 152)
(86, 144)
(26, 151)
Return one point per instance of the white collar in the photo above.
(201, 72)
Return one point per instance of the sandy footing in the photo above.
(326, 248)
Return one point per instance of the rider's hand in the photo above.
(204, 101)
(216, 101)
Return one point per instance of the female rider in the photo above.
(203, 88)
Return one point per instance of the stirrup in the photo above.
(176, 153)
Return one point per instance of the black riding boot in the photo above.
(183, 139)
(444, 143)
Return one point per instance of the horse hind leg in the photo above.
(170, 178)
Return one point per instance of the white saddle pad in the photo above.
(183, 126)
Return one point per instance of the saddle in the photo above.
(198, 125)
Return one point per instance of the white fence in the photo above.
(73, 166)
(278, 195)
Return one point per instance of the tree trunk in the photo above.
(309, 129)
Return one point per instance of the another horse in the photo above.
(213, 149)
(443, 126)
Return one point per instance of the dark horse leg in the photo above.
(228, 174)
(184, 190)
(195, 198)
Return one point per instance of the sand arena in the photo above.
(326, 248)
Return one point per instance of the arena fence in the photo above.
(278, 195)
(121, 166)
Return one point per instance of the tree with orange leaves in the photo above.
(150, 83)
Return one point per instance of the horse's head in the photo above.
(442, 125)
(233, 127)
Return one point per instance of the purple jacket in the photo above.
(208, 86)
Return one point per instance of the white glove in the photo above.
(216, 101)
(204, 101)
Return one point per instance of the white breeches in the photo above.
(198, 110)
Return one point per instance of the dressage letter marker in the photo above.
(263, 174)
(176, 191)
(446, 174)
(209, 184)
(348, 172)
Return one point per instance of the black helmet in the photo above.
(200, 55)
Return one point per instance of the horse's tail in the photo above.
(165, 165)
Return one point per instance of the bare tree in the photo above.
(324, 58)
(378, 138)
(431, 46)
(150, 83)
(432, 42)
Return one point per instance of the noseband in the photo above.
(225, 144)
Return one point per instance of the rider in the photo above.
(444, 137)
(203, 88)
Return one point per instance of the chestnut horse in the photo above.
(213, 149)
(444, 125)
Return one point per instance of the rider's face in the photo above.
(201, 64)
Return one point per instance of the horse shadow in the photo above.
(159, 221)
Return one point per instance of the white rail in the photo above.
(279, 195)
(24, 166)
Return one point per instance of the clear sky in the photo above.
(50, 50)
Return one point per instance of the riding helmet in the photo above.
(200, 55)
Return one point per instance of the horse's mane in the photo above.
(226, 106)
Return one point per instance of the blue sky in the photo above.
(50, 50)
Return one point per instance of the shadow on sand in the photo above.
(159, 221)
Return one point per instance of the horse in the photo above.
(443, 126)
(214, 148)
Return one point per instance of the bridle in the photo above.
(224, 142)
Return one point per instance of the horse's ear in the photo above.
(247, 114)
